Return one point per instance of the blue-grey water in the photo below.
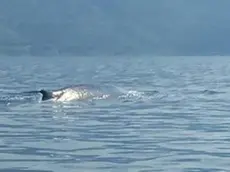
(173, 114)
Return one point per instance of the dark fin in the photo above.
(46, 95)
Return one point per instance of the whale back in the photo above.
(66, 94)
(74, 92)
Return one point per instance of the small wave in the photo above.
(19, 98)
(205, 92)
(109, 94)
(137, 96)
(105, 96)
(211, 92)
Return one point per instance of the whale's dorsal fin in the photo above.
(46, 95)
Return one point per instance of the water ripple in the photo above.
(172, 115)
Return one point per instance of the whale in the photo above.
(78, 92)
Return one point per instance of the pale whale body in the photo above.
(79, 92)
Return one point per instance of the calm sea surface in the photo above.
(173, 114)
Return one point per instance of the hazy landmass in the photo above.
(114, 27)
